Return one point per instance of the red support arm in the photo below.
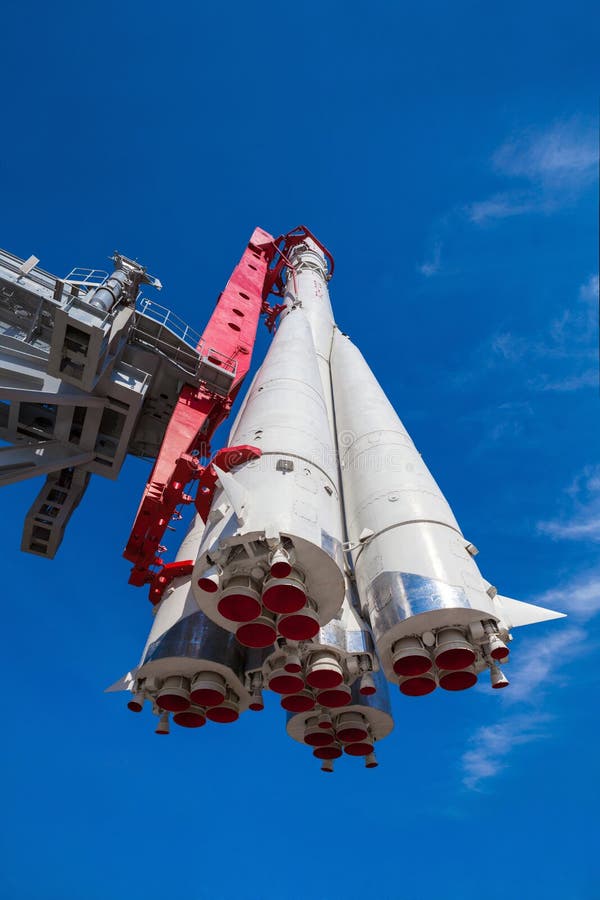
(231, 331)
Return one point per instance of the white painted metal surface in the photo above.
(188, 659)
(415, 570)
(290, 495)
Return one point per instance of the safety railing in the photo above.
(167, 320)
(86, 277)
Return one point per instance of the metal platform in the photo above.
(82, 385)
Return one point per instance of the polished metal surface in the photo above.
(196, 637)
(394, 596)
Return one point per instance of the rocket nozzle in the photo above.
(298, 703)
(257, 704)
(351, 727)
(174, 694)
(324, 671)
(371, 761)
(299, 626)
(260, 632)
(240, 601)
(498, 678)
(284, 595)
(459, 680)
(453, 651)
(409, 657)
(367, 685)
(208, 689)
(136, 704)
(194, 717)
(210, 580)
(280, 563)
(418, 685)
(283, 682)
(228, 711)
(163, 724)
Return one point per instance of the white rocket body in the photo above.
(288, 498)
(189, 666)
(415, 571)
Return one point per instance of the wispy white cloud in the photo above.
(586, 527)
(501, 424)
(564, 153)
(585, 482)
(579, 596)
(539, 171)
(432, 265)
(580, 519)
(501, 206)
(562, 357)
(589, 290)
(551, 167)
(539, 668)
(523, 719)
(569, 383)
(491, 745)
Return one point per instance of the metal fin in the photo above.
(123, 684)
(516, 612)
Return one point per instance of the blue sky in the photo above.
(447, 155)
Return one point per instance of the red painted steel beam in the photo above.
(230, 332)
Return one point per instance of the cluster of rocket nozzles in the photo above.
(328, 566)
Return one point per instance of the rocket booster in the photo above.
(367, 718)
(270, 563)
(190, 668)
(435, 619)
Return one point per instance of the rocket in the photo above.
(190, 670)
(329, 562)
